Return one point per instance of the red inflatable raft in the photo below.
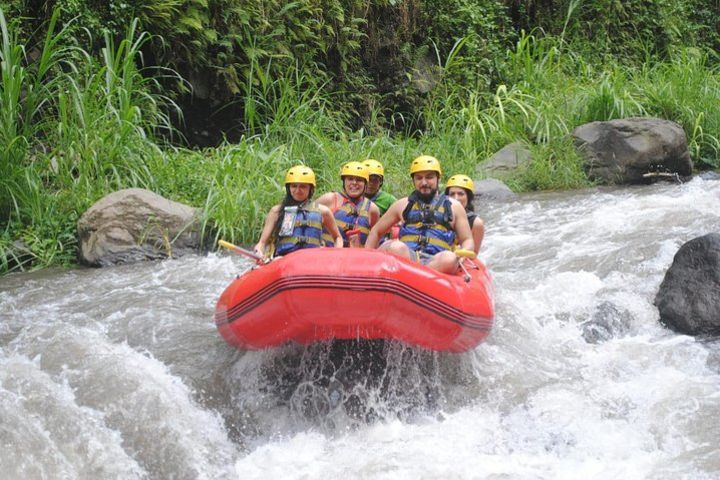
(323, 293)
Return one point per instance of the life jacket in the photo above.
(427, 227)
(350, 216)
(306, 233)
(471, 217)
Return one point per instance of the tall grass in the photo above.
(25, 95)
(686, 89)
(106, 117)
(75, 128)
(613, 96)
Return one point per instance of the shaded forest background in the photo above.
(380, 60)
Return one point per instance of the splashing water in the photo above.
(120, 373)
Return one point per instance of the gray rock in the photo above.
(134, 225)
(624, 151)
(689, 296)
(506, 160)
(607, 322)
(709, 176)
(491, 189)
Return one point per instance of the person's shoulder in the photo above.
(275, 208)
(326, 198)
(372, 206)
(399, 204)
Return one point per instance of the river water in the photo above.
(120, 373)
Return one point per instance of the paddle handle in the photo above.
(462, 253)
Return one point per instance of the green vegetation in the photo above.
(88, 106)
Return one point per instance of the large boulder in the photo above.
(632, 150)
(504, 162)
(491, 189)
(133, 225)
(689, 295)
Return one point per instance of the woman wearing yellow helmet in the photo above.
(462, 189)
(355, 215)
(297, 222)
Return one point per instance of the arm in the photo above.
(391, 217)
(331, 227)
(270, 221)
(327, 199)
(374, 215)
(478, 233)
(462, 227)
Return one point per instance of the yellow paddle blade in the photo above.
(227, 245)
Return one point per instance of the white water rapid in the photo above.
(119, 373)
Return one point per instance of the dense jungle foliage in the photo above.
(207, 101)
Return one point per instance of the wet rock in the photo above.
(624, 151)
(491, 189)
(607, 322)
(134, 225)
(710, 176)
(689, 296)
(713, 360)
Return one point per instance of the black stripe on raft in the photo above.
(393, 287)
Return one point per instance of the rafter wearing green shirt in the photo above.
(377, 176)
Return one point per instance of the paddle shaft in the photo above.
(241, 251)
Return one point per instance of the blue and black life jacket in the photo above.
(471, 217)
(307, 230)
(427, 227)
(350, 216)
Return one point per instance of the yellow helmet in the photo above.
(355, 169)
(425, 163)
(462, 181)
(300, 174)
(374, 167)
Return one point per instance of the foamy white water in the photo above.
(120, 373)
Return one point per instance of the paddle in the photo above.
(462, 253)
(241, 251)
